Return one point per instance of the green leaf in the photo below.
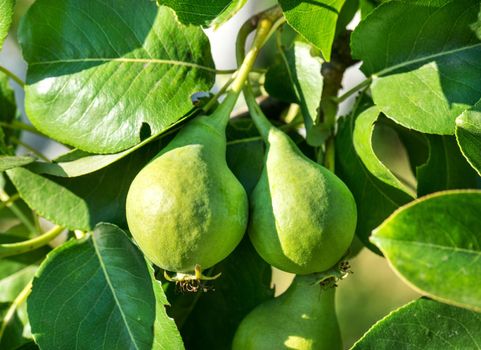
(424, 324)
(375, 199)
(425, 60)
(434, 244)
(315, 20)
(209, 320)
(429, 98)
(83, 201)
(6, 9)
(446, 168)
(12, 337)
(401, 33)
(204, 12)
(299, 73)
(468, 134)
(100, 73)
(8, 111)
(94, 293)
(10, 162)
(363, 143)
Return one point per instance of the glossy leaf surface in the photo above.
(363, 143)
(434, 244)
(204, 12)
(375, 199)
(424, 324)
(425, 60)
(94, 293)
(315, 20)
(100, 72)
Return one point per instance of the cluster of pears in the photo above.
(186, 208)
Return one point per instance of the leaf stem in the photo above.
(17, 125)
(19, 300)
(9, 249)
(352, 91)
(6, 199)
(12, 76)
(30, 149)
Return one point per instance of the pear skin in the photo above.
(303, 318)
(186, 207)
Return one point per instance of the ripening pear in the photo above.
(303, 217)
(302, 318)
(186, 208)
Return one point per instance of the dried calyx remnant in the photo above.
(192, 283)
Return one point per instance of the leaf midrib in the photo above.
(395, 67)
(111, 287)
(125, 60)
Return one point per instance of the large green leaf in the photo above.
(424, 58)
(209, 320)
(299, 71)
(363, 143)
(101, 71)
(399, 33)
(468, 134)
(375, 199)
(83, 201)
(95, 293)
(315, 20)
(6, 9)
(10, 162)
(204, 12)
(445, 169)
(424, 324)
(434, 244)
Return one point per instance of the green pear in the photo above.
(303, 318)
(186, 208)
(303, 217)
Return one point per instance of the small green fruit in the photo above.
(303, 217)
(303, 318)
(186, 208)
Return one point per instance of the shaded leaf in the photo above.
(315, 20)
(434, 244)
(446, 168)
(6, 9)
(375, 199)
(12, 338)
(100, 72)
(82, 202)
(424, 324)
(204, 12)
(10, 162)
(209, 320)
(8, 111)
(401, 33)
(94, 293)
(363, 143)
(468, 134)
(299, 74)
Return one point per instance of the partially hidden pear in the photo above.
(303, 318)
(303, 217)
(186, 208)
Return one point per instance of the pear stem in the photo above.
(260, 120)
(267, 21)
